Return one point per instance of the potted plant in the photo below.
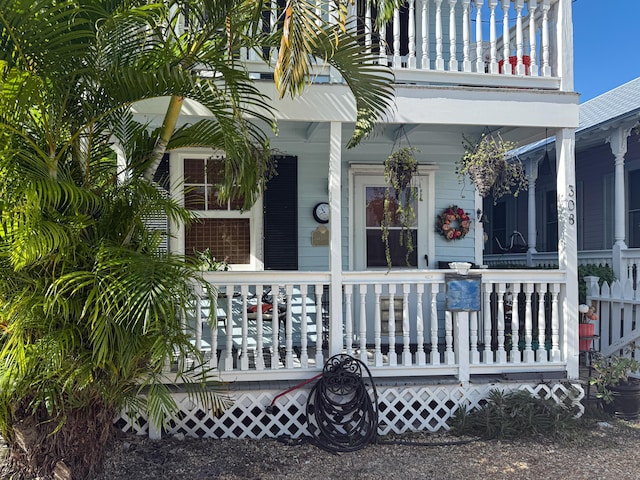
(491, 167)
(619, 391)
(400, 198)
(586, 329)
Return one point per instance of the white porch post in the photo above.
(532, 177)
(618, 142)
(568, 245)
(564, 51)
(335, 239)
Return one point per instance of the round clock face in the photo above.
(321, 212)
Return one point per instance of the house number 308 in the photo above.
(571, 204)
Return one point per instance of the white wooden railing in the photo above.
(397, 323)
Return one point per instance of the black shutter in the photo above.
(281, 216)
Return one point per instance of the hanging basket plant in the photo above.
(491, 167)
(400, 198)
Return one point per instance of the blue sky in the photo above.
(606, 45)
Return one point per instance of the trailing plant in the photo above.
(491, 168)
(514, 415)
(400, 198)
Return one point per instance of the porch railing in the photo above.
(276, 325)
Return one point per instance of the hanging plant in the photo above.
(399, 199)
(491, 168)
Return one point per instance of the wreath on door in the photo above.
(453, 223)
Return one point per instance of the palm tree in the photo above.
(90, 304)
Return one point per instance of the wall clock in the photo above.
(321, 212)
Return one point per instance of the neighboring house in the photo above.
(607, 196)
(327, 279)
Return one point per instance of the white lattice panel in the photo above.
(401, 409)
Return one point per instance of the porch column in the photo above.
(618, 143)
(568, 245)
(564, 39)
(335, 240)
(532, 177)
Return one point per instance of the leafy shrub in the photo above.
(515, 415)
(605, 272)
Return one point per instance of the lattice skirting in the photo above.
(401, 409)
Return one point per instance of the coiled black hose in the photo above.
(342, 413)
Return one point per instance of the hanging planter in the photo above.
(491, 168)
(399, 199)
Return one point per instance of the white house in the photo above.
(327, 279)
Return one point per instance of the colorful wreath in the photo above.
(453, 223)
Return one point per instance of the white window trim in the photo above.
(176, 176)
(426, 223)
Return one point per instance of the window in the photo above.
(222, 228)
(634, 208)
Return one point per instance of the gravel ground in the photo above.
(608, 450)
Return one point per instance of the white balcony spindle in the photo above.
(533, 53)
(319, 324)
(542, 353)
(480, 67)
(348, 320)
(520, 67)
(486, 307)
(259, 354)
(424, 22)
(411, 30)
(377, 327)
(383, 46)
(198, 322)
(501, 354)
(421, 358)
(506, 49)
(368, 27)
(228, 358)
(474, 357)
(275, 328)
(393, 357)
(304, 335)
(439, 58)
(515, 324)
(363, 324)
(546, 68)
(466, 59)
(288, 327)
(244, 347)
(406, 329)
(453, 56)
(213, 363)
(433, 321)
(449, 354)
(493, 65)
(528, 324)
(555, 323)
(397, 59)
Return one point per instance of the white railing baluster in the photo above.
(275, 328)
(546, 68)
(363, 324)
(555, 324)
(244, 346)
(348, 320)
(377, 327)
(493, 42)
(288, 327)
(528, 354)
(397, 60)
(424, 22)
(304, 335)
(382, 57)
(520, 67)
(273, 18)
(449, 355)
(228, 362)
(487, 357)
(474, 357)
(506, 50)
(433, 322)
(453, 60)
(368, 27)
(542, 353)
(198, 322)
(501, 354)
(421, 358)
(533, 53)
(515, 325)
(213, 303)
(411, 60)
(439, 58)
(466, 59)
(319, 288)
(406, 329)
(393, 357)
(259, 355)
(480, 67)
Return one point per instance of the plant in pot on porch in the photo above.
(491, 167)
(616, 385)
(400, 199)
(586, 329)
